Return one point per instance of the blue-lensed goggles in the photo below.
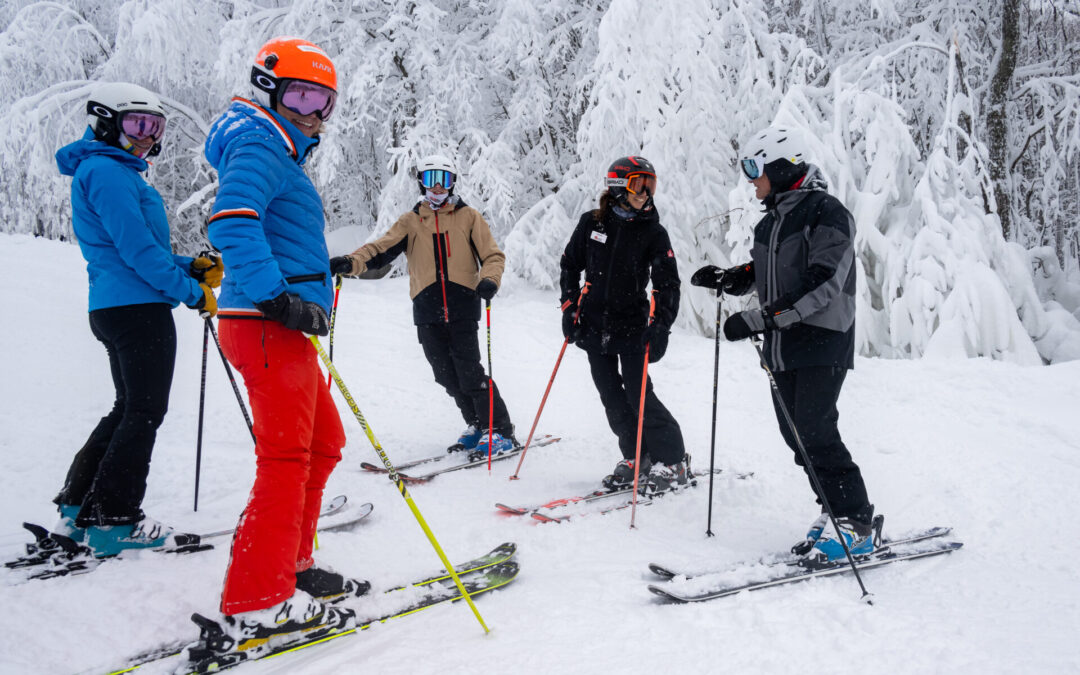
(433, 177)
(751, 168)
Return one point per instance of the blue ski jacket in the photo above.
(120, 224)
(267, 219)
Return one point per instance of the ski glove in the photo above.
(341, 265)
(744, 324)
(656, 337)
(570, 329)
(207, 304)
(487, 288)
(709, 276)
(207, 269)
(296, 314)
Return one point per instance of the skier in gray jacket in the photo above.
(803, 268)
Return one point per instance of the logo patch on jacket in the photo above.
(670, 253)
(598, 236)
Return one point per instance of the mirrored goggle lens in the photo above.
(305, 98)
(641, 183)
(433, 177)
(140, 125)
(751, 168)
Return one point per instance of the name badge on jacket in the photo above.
(598, 236)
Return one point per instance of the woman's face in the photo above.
(762, 185)
(437, 189)
(637, 200)
(309, 125)
(142, 146)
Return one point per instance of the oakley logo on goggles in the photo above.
(635, 183)
(433, 177)
(752, 167)
(139, 125)
(305, 98)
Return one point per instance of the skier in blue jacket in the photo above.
(135, 282)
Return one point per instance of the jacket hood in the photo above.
(69, 157)
(812, 181)
(246, 118)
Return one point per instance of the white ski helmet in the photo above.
(436, 170)
(110, 101)
(770, 145)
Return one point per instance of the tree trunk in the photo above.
(996, 120)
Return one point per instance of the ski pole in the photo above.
(715, 381)
(641, 414)
(232, 380)
(491, 391)
(810, 469)
(394, 476)
(202, 406)
(333, 317)
(551, 380)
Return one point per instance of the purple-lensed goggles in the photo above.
(305, 98)
(139, 125)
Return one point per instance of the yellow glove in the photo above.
(208, 269)
(207, 304)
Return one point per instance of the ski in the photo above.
(374, 468)
(458, 467)
(802, 570)
(932, 533)
(332, 507)
(485, 573)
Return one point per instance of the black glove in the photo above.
(207, 269)
(744, 324)
(656, 337)
(487, 288)
(709, 276)
(296, 314)
(738, 280)
(569, 327)
(341, 265)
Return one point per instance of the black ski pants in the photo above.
(453, 350)
(108, 475)
(810, 395)
(661, 437)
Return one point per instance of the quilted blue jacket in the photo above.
(267, 219)
(120, 223)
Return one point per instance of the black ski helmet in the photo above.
(620, 174)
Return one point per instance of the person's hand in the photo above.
(207, 304)
(570, 327)
(207, 269)
(744, 324)
(294, 313)
(341, 265)
(709, 276)
(656, 337)
(487, 288)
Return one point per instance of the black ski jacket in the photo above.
(804, 271)
(619, 257)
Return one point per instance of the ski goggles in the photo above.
(752, 167)
(433, 177)
(139, 125)
(306, 98)
(635, 183)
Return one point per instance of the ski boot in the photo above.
(327, 586)
(667, 477)
(499, 444)
(858, 535)
(110, 540)
(622, 477)
(66, 525)
(812, 535)
(467, 440)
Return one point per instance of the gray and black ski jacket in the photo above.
(804, 271)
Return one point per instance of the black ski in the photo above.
(802, 570)
(468, 464)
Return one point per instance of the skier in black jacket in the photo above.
(619, 246)
(803, 268)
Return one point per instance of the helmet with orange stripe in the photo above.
(296, 74)
(631, 175)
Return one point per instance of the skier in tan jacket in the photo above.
(453, 262)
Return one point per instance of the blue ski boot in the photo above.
(467, 440)
(110, 540)
(66, 525)
(812, 535)
(499, 444)
(858, 536)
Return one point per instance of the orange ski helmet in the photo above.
(284, 59)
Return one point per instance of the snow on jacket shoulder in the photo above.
(267, 219)
(122, 230)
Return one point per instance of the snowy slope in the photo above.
(992, 449)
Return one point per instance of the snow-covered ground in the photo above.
(989, 448)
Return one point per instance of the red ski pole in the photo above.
(566, 341)
(641, 415)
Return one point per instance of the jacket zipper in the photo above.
(442, 268)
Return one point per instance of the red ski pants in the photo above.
(298, 442)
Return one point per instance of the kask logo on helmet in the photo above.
(321, 66)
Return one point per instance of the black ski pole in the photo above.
(202, 406)
(715, 380)
(232, 380)
(810, 469)
(491, 384)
